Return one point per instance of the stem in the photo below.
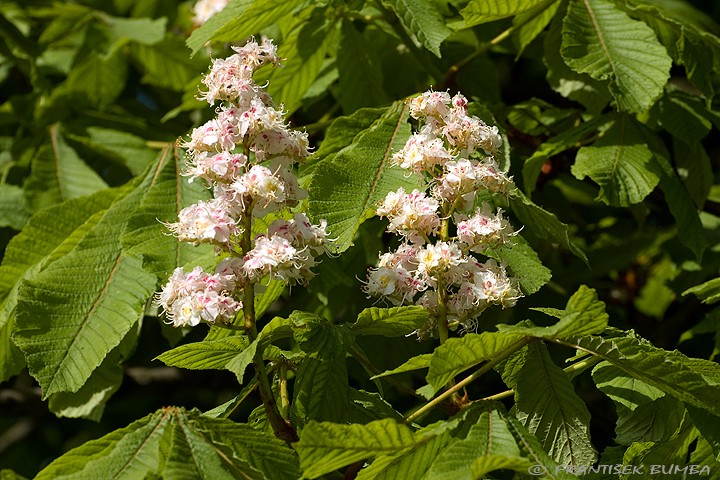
(284, 397)
(499, 357)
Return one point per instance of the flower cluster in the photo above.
(245, 155)
(453, 152)
(204, 9)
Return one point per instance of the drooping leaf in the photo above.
(166, 63)
(390, 322)
(594, 42)
(707, 292)
(530, 448)
(620, 163)
(145, 31)
(59, 174)
(345, 189)
(669, 454)
(546, 403)
(458, 354)
(524, 265)
(623, 388)
(422, 19)
(98, 78)
(655, 421)
(583, 315)
(125, 148)
(709, 427)
(325, 446)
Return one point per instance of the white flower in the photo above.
(421, 154)
(221, 167)
(204, 9)
(413, 215)
(484, 229)
(261, 186)
(206, 221)
(434, 104)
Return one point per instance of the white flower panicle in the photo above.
(245, 155)
(453, 152)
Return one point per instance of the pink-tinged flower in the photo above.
(437, 259)
(495, 285)
(188, 299)
(289, 146)
(413, 215)
(301, 233)
(256, 54)
(484, 229)
(261, 186)
(492, 178)
(271, 255)
(421, 154)
(205, 222)
(430, 104)
(221, 167)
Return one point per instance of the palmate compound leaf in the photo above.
(174, 443)
(596, 42)
(691, 380)
(422, 19)
(583, 315)
(547, 405)
(73, 313)
(325, 447)
(345, 189)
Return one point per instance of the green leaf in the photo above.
(583, 315)
(580, 87)
(241, 19)
(166, 64)
(458, 354)
(13, 207)
(531, 449)
(655, 421)
(489, 446)
(524, 265)
(529, 24)
(668, 454)
(691, 380)
(28, 250)
(360, 75)
(623, 388)
(205, 355)
(174, 443)
(543, 224)
(594, 42)
(390, 322)
(707, 292)
(305, 51)
(620, 163)
(122, 147)
(59, 174)
(99, 79)
(415, 363)
(345, 189)
(546, 403)
(422, 19)
(145, 31)
(89, 402)
(325, 446)
(412, 463)
(321, 385)
(482, 11)
(73, 313)
(685, 117)
(165, 193)
(709, 427)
